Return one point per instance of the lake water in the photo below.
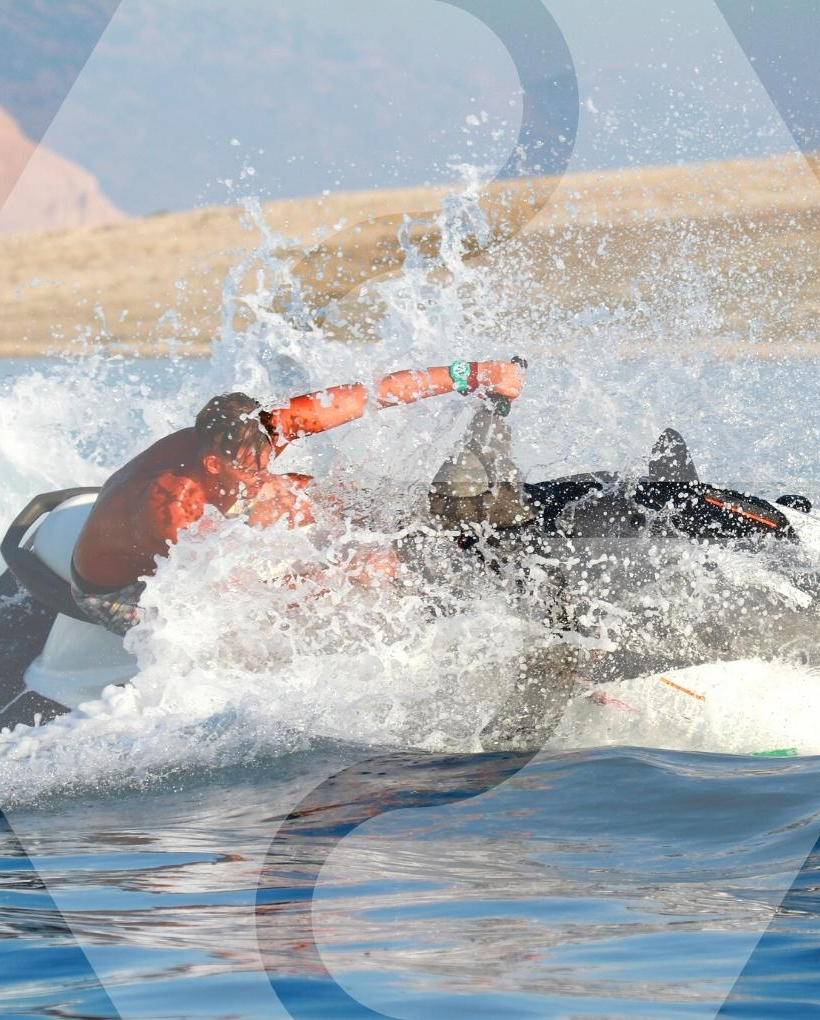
(604, 883)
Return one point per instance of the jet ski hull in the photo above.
(24, 628)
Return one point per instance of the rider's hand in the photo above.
(373, 567)
(502, 377)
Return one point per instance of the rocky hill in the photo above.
(53, 193)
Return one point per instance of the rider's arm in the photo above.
(370, 568)
(316, 412)
(283, 496)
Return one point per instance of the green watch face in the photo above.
(460, 374)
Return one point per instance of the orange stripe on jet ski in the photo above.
(735, 509)
(683, 690)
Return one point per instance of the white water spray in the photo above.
(231, 668)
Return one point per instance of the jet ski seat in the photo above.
(53, 542)
(40, 558)
(77, 658)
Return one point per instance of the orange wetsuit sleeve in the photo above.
(316, 412)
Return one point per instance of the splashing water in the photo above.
(233, 668)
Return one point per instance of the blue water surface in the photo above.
(610, 883)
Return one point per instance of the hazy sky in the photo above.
(327, 94)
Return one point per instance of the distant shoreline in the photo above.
(604, 230)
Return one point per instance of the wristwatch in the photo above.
(460, 372)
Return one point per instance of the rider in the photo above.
(222, 461)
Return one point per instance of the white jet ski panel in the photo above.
(76, 659)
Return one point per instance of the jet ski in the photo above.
(55, 659)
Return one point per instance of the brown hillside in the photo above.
(598, 239)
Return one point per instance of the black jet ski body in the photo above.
(606, 505)
(670, 498)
